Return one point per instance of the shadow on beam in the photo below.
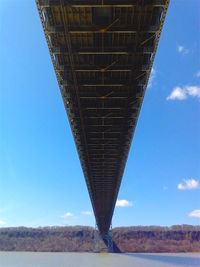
(116, 249)
(111, 246)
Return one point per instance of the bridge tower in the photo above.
(108, 240)
(97, 239)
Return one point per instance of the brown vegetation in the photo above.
(183, 238)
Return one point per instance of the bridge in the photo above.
(102, 52)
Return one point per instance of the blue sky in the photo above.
(41, 181)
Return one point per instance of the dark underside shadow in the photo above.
(115, 248)
(172, 259)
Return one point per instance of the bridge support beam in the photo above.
(97, 239)
(108, 240)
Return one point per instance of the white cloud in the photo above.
(177, 93)
(67, 215)
(2, 222)
(198, 74)
(188, 184)
(123, 203)
(182, 93)
(195, 214)
(151, 78)
(193, 91)
(182, 50)
(87, 213)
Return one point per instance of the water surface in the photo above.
(43, 259)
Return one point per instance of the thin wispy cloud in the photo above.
(182, 93)
(151, 78)
(165, 188)
(87, 213)
(188, 184)
(195, 214)
(182, 50)
(197, 74)
(2, 222)
(124, 203)
(67, 215)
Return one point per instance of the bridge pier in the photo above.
(97, 239)
(108, 240)
(109, 243)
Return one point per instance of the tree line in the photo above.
(177, 238)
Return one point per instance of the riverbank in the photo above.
(180, 238)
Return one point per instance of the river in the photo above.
(43, 259)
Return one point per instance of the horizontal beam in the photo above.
(91, 131)
(98, 4)
(111, 109)
(121, 112)
(105, 68)
(126, 50)
(112, 159)
(105, 139)
(123, 91)
(104, 145)
(103, 97)
(91, 68)
(88, 29)
(100, 125)
(108, 84)
(116, 118)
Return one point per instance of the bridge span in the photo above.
(102, 52)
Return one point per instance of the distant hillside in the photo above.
(180, 238)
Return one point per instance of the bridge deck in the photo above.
(102, 53)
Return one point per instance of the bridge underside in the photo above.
(102, 53)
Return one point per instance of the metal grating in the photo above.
(102, 53)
